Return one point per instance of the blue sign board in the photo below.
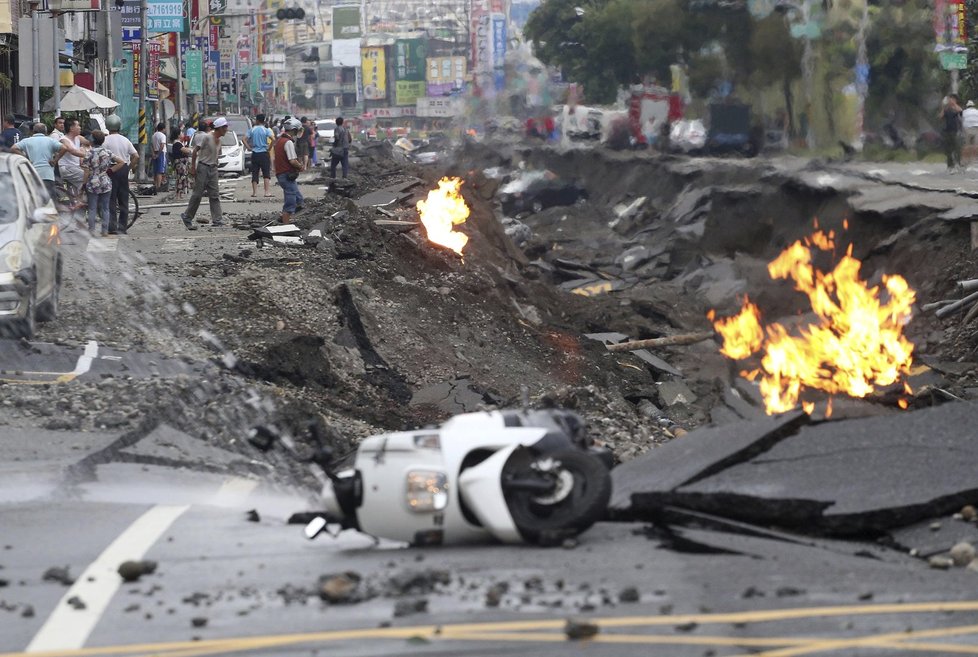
(164, 16)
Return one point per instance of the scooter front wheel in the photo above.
(572, 493)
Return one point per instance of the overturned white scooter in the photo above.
(514, 476)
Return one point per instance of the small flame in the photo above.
(442, 211)
(858, 342)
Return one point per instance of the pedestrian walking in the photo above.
(159, 157)
(98, 163)
(301, 144)
(339, 153)
(287, 168)
(180, 156)
(313, 135)
(123, 149)
(951, 131)
(41, 150)
(257, 141)
(203, 167)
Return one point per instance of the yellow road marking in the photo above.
(534, 630)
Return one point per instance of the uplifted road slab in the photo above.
(851, 477)
(697, 455)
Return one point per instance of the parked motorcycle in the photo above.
(513, 476)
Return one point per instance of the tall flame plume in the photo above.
(442, 211)
(856, 344)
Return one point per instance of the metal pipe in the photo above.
(57, 63)
(36, 54)
(969, 285)
(143, 92)
(957, 306)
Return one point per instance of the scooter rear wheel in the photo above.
(582, 489)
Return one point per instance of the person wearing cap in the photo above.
(969, 121)
(203, 167)
(287, 168)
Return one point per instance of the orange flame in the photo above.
(858, 342)
(442, 211)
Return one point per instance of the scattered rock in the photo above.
(253, 516)
(59, 575)
(198, 621)
(789, 591)
(629, 594)
(4, 582)
(687, 627)
(409, 607)
(339, 588)
(969, 513)
(962, 554)
(752, 592)
(935, 526)
(939, 562)
(576, 630)
(28, 612)
(495, 593)
(131, 571)
(77, 603)
(675, 392)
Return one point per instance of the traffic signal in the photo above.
(290, 13)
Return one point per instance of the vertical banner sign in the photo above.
(499, 50)
(164, 16)
(346, 35)
(409, 60)
(152, 70)
(194, 61)
(212, 72)
(949, 26)
(479, 17)
(374, 74)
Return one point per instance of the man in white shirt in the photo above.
(159, 157)
(969, 121)
(122, 148)
(58, 131)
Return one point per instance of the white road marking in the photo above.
(85, 360)
(68, 628)
(102, 245)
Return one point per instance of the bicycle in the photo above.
(68, 200)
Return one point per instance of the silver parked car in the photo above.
(30, 249)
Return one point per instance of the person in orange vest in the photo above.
(287, 168)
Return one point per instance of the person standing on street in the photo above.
(41, 150)
(312, 136)
(257, 141)
(180, 155)
(301, 144)
(951, 132)
(98, 164)
(340, 151)
(10, 134)
(203, 167)
(59, 129)
(122, 149)
(287, 168)
(159, 157)
(969, 121)
(70, 161)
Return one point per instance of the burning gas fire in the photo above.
(858, 342)
(442, 211)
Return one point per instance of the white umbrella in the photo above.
(80, 99)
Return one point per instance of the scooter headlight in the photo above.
(427, 490)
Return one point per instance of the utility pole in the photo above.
(110, 83)
(57, 63)
(36, 54)
(143, 90)
(180, 92)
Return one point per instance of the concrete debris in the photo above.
(495, 593)
(131, 571)
(962, 554)
(252, 516)
(575, 630)
(410, 607)
(340, 588)
(939, 562)
(76, 603)
(198, 621)
(59, 575)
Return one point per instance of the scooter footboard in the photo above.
(481, 489)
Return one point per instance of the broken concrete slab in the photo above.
(848, 477)
(697, 455)
(378, 198)
(930, 537)
(456, 396)
(675, 392)
(167, 445)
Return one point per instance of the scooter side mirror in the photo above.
(315, 527)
